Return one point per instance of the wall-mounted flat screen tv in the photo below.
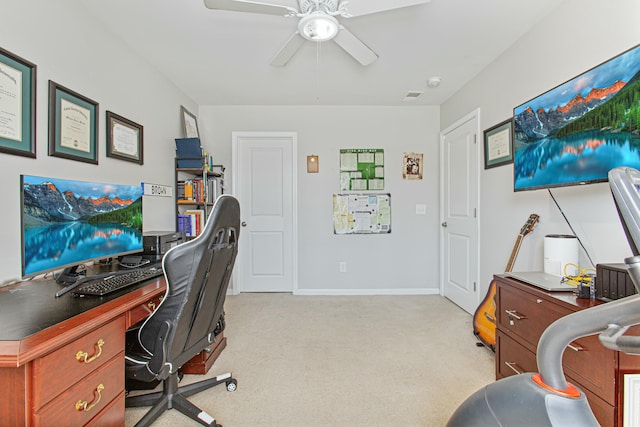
(576, 132)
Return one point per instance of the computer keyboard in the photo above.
(117, 281)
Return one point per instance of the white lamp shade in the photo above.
(318, 27)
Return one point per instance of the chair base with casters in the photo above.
(173, 396)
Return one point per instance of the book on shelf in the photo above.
(191, 191)
(213, 189)
(197, 220)
(184, 224)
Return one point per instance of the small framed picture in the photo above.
(189, 124)
(412, 166)
(313, 164)
(124, 138)
(73, 125)
(498, 145)
(17, 105)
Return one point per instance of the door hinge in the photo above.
(475, 138)
(474, 286)
(475, 212)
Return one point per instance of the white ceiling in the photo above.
(222, 57)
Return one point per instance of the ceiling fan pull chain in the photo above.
(318, 49)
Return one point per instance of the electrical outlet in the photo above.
(342, 267)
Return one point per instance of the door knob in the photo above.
(243, 223)
(444, 224)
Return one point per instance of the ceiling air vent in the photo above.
(412, 96)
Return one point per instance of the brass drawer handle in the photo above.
(514, 367)
(83, 405)
(83, 356)
(151, 305)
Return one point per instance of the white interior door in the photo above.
(264, 183)
(459, 212)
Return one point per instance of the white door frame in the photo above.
(236, 287)
(470, 116)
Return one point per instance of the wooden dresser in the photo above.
(524, 311)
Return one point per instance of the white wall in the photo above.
(578, 36)
(405, 260)
(72, 49)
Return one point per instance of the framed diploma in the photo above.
(498, 145)
(17, 105)
(73, 125)
(189, 124)
(124, 138)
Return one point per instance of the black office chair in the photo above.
(188, 318)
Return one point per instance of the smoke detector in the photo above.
(433, 82)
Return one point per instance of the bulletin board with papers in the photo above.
(361, 169)
(362, 213)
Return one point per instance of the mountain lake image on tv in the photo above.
(577, 132)
(67, 222)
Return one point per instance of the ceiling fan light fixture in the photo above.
(318, 27)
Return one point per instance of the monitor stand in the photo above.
(69, 275)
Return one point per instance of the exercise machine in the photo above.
(545, 398)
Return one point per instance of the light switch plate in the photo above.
(421, 209)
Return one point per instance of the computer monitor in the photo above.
(67, 223)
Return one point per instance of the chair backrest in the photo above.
(197, 274)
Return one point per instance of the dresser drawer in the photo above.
(64, 367)
(80, 403)
(526, 315)
(512, 358)
(603, 411)
(592, 367)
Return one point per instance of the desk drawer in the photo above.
(143, 311)
(526, 315)
(512, 358)
(80, 403)
(64, 367)
(603, 411)
(592, 366)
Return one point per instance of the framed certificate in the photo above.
(17, 105)
(498, 145)
(124, 138)
(73, 125)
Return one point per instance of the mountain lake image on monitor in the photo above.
(578, 131)
(66, 222)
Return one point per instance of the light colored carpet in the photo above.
(306, 361)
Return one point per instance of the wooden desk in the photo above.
(62, 359)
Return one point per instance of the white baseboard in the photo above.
(407, 291)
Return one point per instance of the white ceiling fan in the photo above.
(318, 22)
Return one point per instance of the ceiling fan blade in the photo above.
(359, 8)
(250, 6)
(354, 47)
(287, 51)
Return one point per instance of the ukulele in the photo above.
(484, 319)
